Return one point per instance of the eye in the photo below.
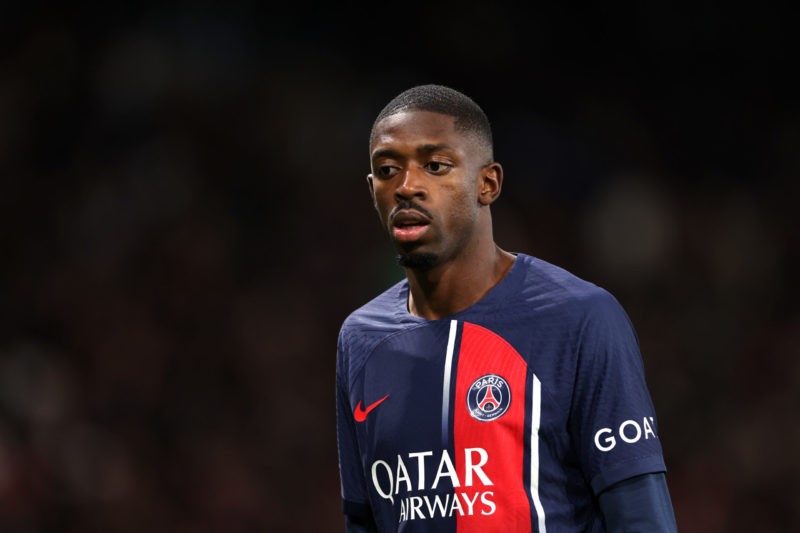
(438, 167)
(385, 171)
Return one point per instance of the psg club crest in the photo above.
(488, 398)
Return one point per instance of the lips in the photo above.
(409, 217)
(409, 225)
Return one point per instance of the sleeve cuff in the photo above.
(627, 469)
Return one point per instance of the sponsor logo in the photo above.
(488, 398)
(629, 432)
(361, 414)
(449, 492)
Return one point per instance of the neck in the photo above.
(457, 284)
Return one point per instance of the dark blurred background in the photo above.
(185, 223)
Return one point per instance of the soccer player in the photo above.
(487, 391)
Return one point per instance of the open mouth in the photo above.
(409, 225)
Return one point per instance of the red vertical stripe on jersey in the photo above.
(483, 352)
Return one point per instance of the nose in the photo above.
(411, 186)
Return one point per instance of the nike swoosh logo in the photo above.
(361, 414)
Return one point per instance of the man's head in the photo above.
(470, 118)
(433, 176)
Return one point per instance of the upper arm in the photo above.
(612, 419)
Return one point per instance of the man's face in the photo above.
(425, 185)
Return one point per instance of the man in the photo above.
(488, 391)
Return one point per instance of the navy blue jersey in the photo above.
(511, 415)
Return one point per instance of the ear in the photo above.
(372, 190)
(491, 181)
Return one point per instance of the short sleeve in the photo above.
(351, 473)
(612, 418)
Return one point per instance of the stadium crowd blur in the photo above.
(185, 224)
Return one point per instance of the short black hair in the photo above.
(440, 99)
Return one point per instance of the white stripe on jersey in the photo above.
(448, 367)
(536, 414)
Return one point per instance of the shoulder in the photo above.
(369, 325)
(377, 313)
(551, 286)
(592, 316)
(373, 321)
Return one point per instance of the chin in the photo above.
(417, 260)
